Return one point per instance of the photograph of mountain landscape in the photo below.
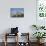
(17, 12)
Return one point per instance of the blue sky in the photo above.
(14, 10)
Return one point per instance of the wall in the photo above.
(24, 24)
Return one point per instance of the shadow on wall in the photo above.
(7, 30)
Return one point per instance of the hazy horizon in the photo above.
(17, 10)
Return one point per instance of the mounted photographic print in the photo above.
(17, 12)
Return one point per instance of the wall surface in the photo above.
(24, 24)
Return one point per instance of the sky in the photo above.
(14, 10)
